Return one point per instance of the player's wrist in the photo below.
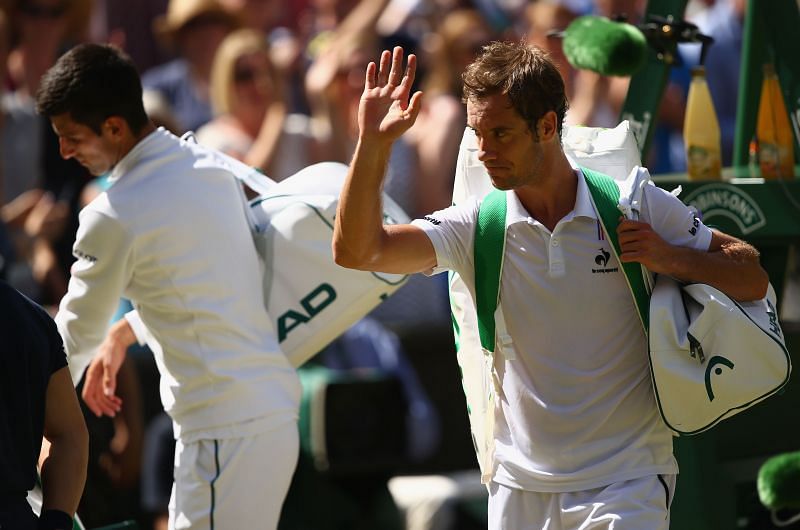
(122, 333)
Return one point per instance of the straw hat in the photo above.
(181, 12)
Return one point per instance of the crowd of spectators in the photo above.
(276, 84)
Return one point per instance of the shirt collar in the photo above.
(516, 213)
(136, 153)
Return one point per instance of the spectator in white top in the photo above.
(252, 120)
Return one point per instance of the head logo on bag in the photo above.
(688, 323)
(714, 361)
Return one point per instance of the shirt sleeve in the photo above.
(98, 276)
(675, 222)
(451, 232)
(140, 331)
(58, 357)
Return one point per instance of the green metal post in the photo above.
(647, 85)
(750, 77)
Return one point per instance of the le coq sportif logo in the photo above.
(601, 260)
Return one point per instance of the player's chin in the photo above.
(502, 184)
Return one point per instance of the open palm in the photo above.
(386, 111)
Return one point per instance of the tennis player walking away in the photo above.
(171, 235)
(578, 440)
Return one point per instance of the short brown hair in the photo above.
(522, 71)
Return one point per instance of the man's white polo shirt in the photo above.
(575, 408)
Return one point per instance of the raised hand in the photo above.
(386, 111)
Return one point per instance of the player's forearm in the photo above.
(358, 229)
(734, 269)
(64, 471)
(263, 151)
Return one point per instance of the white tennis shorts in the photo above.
(638, 504)
(233, 483)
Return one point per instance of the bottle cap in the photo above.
(769, 69)
(698, 71)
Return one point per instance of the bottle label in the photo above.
(703, 163)
(775, 160)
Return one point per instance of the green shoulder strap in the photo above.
(605, 196)
(489, 246)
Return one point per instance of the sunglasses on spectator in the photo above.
(40, 11)
(248, 75)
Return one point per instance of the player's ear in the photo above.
(547, 126)
(115, 126)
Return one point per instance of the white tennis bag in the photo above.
(711, 356)
(310, 299)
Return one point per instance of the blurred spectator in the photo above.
(192, 29)
(333, 82)
(40, 30)
(262, 15)
(543, 17)
(253, 123)
(328, 15)
(334, 85)
(40, 190)
(501, 15)
(597, 100)
(128, 25)
(436, 135)
(6, 248)
(5, 44)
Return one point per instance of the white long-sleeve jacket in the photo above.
(171, 235)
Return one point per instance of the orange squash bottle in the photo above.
(774, 132)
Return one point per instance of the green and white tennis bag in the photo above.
(311, 299)
(612, 151)
(711, 357)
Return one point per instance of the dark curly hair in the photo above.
(93, 82)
